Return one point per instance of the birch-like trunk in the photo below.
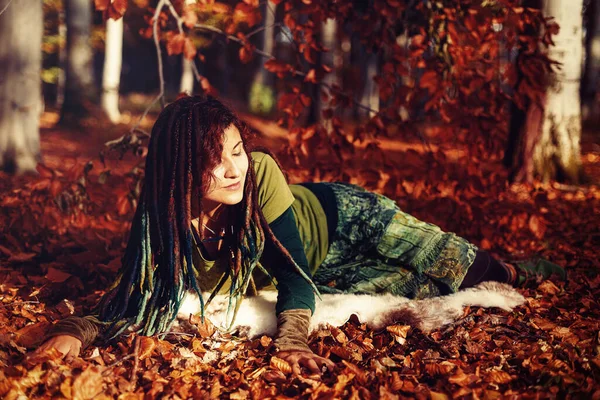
(262, 96)
(187, 76)
(21, 28)
(332, 59)
(111, 76)
(186, 85)
(557, 153)
(79, 85)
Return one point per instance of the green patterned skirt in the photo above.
(379, 248)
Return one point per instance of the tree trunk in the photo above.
(79, 85)
(557, 155)
(262, 96)
(591, 75)
(544, 139)
(21, 28)
(186, 84)
(111, 76)
(331, 58)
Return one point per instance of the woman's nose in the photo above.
(232, 170)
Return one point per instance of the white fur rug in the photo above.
(256, 315)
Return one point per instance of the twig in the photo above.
(115, 363)
(138, 130)
(19, 302)
(161, 77)
(5, 7)
(136, 364)
(262, 28)
(159, 8)
(180, 27)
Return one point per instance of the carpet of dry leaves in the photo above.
(63, 232)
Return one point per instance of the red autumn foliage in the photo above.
(58, 264)
(65, 229)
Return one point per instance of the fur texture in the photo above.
(256, 315)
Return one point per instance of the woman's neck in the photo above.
(213, 213)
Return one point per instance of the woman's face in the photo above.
(229, 176)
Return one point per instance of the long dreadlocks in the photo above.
(157, 269)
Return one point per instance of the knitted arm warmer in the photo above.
(86, 329)
(292, 330)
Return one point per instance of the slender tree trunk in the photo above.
(62, 61)
(591, 76)
(557, 155)
(186, 84)
(544, 140)
(331, 58)
(111, 76)
(79, 85)
(262, 96)
(21, 28)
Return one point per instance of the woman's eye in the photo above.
(237, 154)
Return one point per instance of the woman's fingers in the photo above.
(312, 362)
(296, 366)
(312, 366)
(330, 365)
(68, 346)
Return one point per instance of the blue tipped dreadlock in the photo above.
(157, 269)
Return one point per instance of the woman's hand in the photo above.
(308, 360)
(69, 346)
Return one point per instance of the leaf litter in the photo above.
(64, 235)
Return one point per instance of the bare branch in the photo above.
(262, 28)
(160, 96)
(5, 7)
(159, 7)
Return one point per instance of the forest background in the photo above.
(479, 116)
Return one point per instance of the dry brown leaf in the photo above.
(265, 341)
(281, 365)
(397, 383)
(197, 346)
(342, 381)
(462, 379)
(437, 369)
(31, 335)
(215, 389)
(256, 373)
(66, 388)
(57, 276)
(346, 353)
(88, 385)
(147, 346)
(359, 372)
(473, 347)
(548, 287)
(338, 335)
(498, 377)
(274, 377)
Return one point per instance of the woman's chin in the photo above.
(232, 199)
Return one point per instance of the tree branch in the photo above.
(5, 7)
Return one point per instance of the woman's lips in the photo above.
(235, 186)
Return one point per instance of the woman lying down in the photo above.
(214, 216)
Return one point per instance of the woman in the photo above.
(213, 216)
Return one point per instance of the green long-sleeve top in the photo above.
(297, 219)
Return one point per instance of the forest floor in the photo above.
(64, 231)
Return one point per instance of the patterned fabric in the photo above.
(379, 248)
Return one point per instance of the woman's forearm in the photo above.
(86, 329)
(292, 330)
